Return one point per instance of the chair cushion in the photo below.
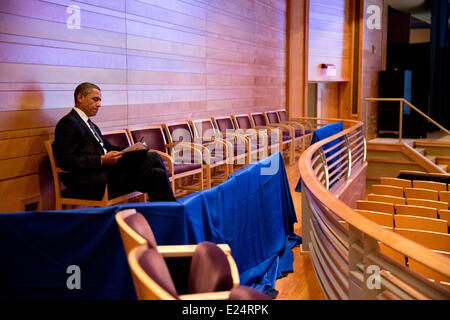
(247, 293)
(298, 133)
(185, 167)
(210, 270)
(154, 265)
(138, 223)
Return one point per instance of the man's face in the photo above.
(90, 103)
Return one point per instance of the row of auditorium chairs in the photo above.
(210, 270)
(418, 189)
(411, 209)
(203, 151)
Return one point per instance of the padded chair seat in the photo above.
(183, 167)
(298, 133)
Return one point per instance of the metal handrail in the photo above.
(402, 100)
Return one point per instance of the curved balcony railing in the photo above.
(344, 245)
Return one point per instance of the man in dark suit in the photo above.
(93, 161)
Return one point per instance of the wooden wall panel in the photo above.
(330, 39)
(156, 61)
(374, 47)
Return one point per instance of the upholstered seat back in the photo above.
(225, 124)
(282, 115)
(259, 119)
(139, 224)
(154, 265)
(117, 138)
(153, 137)
(210, 269)
(243, 122)
(180, 132)
(272, 116)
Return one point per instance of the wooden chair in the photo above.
(383, 219)
(182, 132)
(308, 128)
(417, 193)
(444, 215)
(433, 240)
(388, 190)
(397, 256)
(420, 223)
(429, 273)
(427, 203)
(418, 211)
(137, 238)
(300, 137)
(387, 199)
(287, 134)
(438, 186)
(257, 140)
(382, 207)
(444, 196)
(118, 137)
(238, 145)
(154, 138)
(404, 183)
(272, 135)
(64, 196)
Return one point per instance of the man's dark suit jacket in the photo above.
(78, 151)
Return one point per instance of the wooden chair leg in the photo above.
(208, 176)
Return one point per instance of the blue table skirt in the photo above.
(252, 212)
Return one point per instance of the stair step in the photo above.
(443, 167)
(432, 158)
(420, 150)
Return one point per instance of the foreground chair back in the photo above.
(69, 197)
(212, 268)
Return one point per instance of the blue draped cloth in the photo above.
(252, 212)
(321, 134)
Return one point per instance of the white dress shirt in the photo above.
(85, 118)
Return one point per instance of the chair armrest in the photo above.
(238, 137)
(218, 295)
(171, 251)
(166, 157)
(284, 126)
(198, 149)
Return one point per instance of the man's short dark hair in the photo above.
(84, 88)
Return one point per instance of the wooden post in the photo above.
(400, 124)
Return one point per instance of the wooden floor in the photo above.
(302, 284)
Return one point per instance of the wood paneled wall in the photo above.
(330, 39)
(155, 60)
(374, 42)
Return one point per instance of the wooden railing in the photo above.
(344, 245)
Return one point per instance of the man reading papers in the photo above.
(93, 162)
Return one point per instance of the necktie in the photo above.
(95, 132)
(99, 138)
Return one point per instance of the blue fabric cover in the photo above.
(321, 134)
(251, 212)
